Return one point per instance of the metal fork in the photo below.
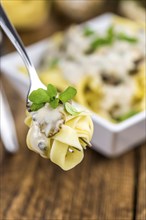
(12, 34)
(7, 126)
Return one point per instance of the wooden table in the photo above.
(33, 188)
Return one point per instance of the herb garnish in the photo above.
(71, 109)
(54, 63)
(68, 94)
(124, 37)
(51, 90)
(127, 115)
(108, 39)
(35, 106)
(40, 97)
(101, 41)
(88, 31)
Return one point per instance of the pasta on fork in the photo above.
(59, 131)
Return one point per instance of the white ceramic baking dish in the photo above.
(109, 139)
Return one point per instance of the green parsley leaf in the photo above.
(108, 39)
(88, 31)
(68, 94)
(39, 96)
(110, 34)
(98, 42)
(127, 115)
(102, 41)
(54, 103)
(71, 109)
(35, 107)
(52, 91)
(53, 63)
(124, 37)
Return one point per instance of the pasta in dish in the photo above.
(106, 67)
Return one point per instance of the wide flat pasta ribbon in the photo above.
(31, 141)
(68, 135)
(61, 156)
(64, 148)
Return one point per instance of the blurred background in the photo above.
(39, 19)
(99, 188)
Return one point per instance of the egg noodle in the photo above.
(71, 135)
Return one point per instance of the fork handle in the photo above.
(7, 125)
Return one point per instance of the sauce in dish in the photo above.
(105, 65)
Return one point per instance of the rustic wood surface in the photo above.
(32, 188)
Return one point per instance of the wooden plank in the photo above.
(109, 189)
(141, 198)
(96, 189)
(34, 188)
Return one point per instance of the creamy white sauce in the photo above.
(111, 99)
(38, 140)
(117, 59)
(46, 123)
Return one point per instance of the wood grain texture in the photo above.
(141, 188)
(32, 188)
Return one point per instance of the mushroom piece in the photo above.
(111, 79)
(49, 120)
